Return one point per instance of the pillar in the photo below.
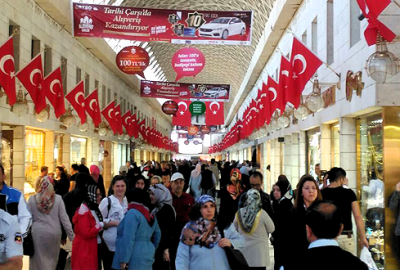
(302, 154)
(19, 158)
(107, 163)
(348, 153)
(295, 159)
(66, 148)
(49, 150)
(287, 158)
(95, 151)
(326, 147)
(89, 152)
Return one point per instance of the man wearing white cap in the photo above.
(183, 204)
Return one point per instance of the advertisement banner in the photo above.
(133, 60)
(188, 62)
(174, 26)
(185, 91)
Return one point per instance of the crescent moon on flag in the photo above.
(301, 58)
(56, 81)
(91, 103)
(285, 72)
(36, 70)
(213, 103)
(263, 95)
(127, 119)
(116, 113)
(3, 60)
(184, 104)
(273, 90)
(142, 126)
(112, 109)
(77, 97)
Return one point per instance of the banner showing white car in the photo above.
(223, 28)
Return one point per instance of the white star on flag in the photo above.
(214, 112)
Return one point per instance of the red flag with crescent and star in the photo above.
(109, 114)
(127, 121)
(285, 74)
(31, 77)
(214, 113)
(274, 94)
(266, 103)
(77, 99)
(53, 89)
(7, 71)
(92, 107)
(134, 127)
(118, 119)
(183, 117)
(304, 65)
(142, 128)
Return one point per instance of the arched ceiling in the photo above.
(225, 64)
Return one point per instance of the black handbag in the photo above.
(28, 244)
(235, 258)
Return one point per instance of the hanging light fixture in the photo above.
(44, 115)
(83, 127)
(382, 65)
(68, 119)
(284, 120)
(21, 107)
(126, 137)
(120, 136)
(314, 101)
(103, 130)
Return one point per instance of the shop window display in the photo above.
(78, 149)
(314, 150)
(34, 157)
(370, 156)
(58, 150)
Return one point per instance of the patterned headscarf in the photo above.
(162, 196)
(205, 232)
(248, 214)
(92, 201)
(46, 195)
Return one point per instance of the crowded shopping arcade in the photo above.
(199, 135)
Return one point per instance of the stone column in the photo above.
(49, 150)
(287, 161)
(302, 154)
(348, 150)
(107, 164)
(19, 158)
(89, 152)
(95, 151)
(66, 148)
(326, 147)
(295, 159)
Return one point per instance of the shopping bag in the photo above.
(366, 257)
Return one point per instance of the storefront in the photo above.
(58, 150)
(313, 150)
(78, 149)
(34, 156)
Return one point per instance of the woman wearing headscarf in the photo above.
(255, 225)
(138, 234)
(48, 214)
(161, 199)
(202, 244)
(194, 182)
(282, 205)
(208, 181)
(98, 179)
(88, 222)
(230, 196)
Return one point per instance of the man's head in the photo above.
(166, 178)
(74, 169)
(2, 174)
(128, 164)
(317, 169)
(123, 170)
(337, 175)
(177, 183)
(323, 221)
(212, 161)
(83, 161)
(44, 170)
(256, 180)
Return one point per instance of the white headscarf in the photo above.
(196, 172)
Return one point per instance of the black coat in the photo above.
(61, 186)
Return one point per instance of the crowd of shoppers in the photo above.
(182, 216)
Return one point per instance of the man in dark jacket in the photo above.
(256, 182)
(324, 225)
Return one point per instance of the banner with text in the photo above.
(185, 91)
(175, 26)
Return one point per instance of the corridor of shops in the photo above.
(197, 135)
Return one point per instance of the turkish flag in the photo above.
(274, 95)
(372, 10)
(78, 103)
(118, 119)
(109, 114)
(31, 77)
(7, 70)
(134, 127)
(265, 103)
(183, 117)
(53, 89)
(253, 116)
(214, 113)
(260, 107)
(142, 128)
(304, 65)
(127, 121)
(285, 80)
(92, 107)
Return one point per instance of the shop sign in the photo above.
(192, 130)
(188, 62)
(353, 82)
(185, 91)
(170, 107)
(197, 108)
(133, 60)
(329, 96)
(175, 26)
